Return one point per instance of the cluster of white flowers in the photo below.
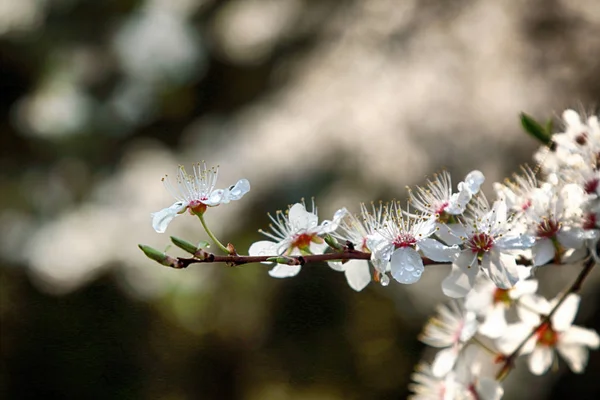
(476, 340)
(531, 223)
(543, 216)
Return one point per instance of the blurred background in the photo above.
(346, 101)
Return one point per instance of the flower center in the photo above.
(441, 208)
(501, 296)
(302, 240)
(546, 336)
(404, 240)
(480, 243)
(548, 228)
(589, 221)
(591, 186)
(581, 139)
(197, 207)
(526, 205)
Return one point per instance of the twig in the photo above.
(574, 288)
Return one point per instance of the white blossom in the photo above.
(571, 342)
(487, 241)
(196, 192)
(491, 303)
(356, 229)
(450, 329)
(399, 241)
(437, 198)
(293, 233)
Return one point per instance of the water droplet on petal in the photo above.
(384, 280)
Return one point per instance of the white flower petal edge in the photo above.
(263, 248)
(196, 191)
(162, 218)
(357, 274)
(284, 271)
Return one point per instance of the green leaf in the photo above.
(203, 244)
(535, 129)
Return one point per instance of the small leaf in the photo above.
(203, 244)
(535, 129)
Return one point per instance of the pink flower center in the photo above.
(405, 240)
(302, 240)
(581, 139)
(441, 208)
(546, 336)
(589, 221)
(501, 296)
(591, 186)
(197, 207)
(480, 242)
(548, 228)
(526, 205)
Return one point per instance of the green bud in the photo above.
(536, 130)
(184, 245)
(332, 242)
(157, 256)
(280, 259)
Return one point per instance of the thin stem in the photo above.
(211, 235)
(484, 346)
(574, 288)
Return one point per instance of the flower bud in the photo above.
(333, 243)
(184, 245)
(158, 256)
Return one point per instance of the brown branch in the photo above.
(203, 257)
(574, 288)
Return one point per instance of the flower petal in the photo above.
(263, 248)
(563, 318)
(238, 190)
(300, 219)
(543, 252)
(444, 361)
(437, 251)
(489, 389)
(520, 242)
(501, 268)
(407, 265)
(284, 271)
(162, 218)
(540, 360)
(513, 336)
(358, 274)
(581, 336)
(473, 181)
(576, 356)
(462, 277)
(216, 197)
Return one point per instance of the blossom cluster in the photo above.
(547, 215)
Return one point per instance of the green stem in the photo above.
(211, 235)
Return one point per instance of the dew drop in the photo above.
(384, 280)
